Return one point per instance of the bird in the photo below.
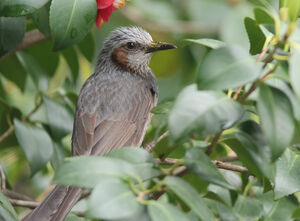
(113, 108)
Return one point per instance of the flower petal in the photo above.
(101, 4)
(106, 13)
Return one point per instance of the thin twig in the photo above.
(228, 159)
(255, 84)
(24, 203)
(236, 94)
(11, 128)
(228, 166)
(150, 146)
(31, 37)
(213, 143)
(179, 171)
(182, 27)
(3, 180)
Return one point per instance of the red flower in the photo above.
(105, 8)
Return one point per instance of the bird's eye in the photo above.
(131, 45)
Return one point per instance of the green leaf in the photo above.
(286, 89)
(256, 36)
(133, 155)
(12, 65)
(43, 54)
(7, 212)
(70, 21)
(197, 161)
(72, 59)
(164, 211)
(112, 199)
(32, 67)
(211, 43)
(58, 156)
(248, 208)
(202, 112)
(276, 117)
(89, 171)
(262, 16)
(143, 161)
(163, 108)
(276, 210)
(72, 217)
(12, 32)
(293, 9)
(35, 143)
(287, 180)
(15, 8)
(59, 117)
(87, 47)
(249, 145)
(41, 19)
(189, 196)
(294, 67)
(227, 67)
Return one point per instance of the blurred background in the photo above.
(51, 97)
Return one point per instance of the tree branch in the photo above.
(10, 130)
(150, 146)
(24, 203)
(31, 37)
(221, 165)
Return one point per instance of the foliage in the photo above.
(229, 99)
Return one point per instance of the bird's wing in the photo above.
(94, 136)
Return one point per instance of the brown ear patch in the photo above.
(119, 58)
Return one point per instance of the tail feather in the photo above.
(56, 206)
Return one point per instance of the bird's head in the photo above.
(131, 48)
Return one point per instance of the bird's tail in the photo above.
(56, 206)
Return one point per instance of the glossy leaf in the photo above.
(72, 59)
(249, 145)
(256, 36)
(15, 8)
(87, 47)
(43, 54)
(211, 43)
(133, 155)
(286, 89)
(202, 112)
(12, 65)
(12, 32)
(70, 21)
(143, 161)
(89, 171)
(294, 72)
(164, 211)
(227, 67)
(276, 210)
(287, 180)
(249, 209)
(112, 199)
(197, 161)
(262, 16)
(189, 196)
(59, 117)
(293, 9)
(32, 67)
(41, 19)
(276, 118)
(7, 212)
(163, 108)
(35, 143)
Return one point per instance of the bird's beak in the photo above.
(158, 46)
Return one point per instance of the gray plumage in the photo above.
(113, 108)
